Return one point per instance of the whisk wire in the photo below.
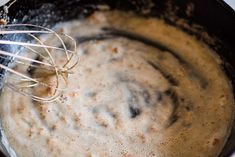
(45, 66)
(23, 58)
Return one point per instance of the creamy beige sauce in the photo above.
(127, 98)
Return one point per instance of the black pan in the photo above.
(206, 19)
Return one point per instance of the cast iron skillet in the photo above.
(213, 19)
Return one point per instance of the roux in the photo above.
(128, 97)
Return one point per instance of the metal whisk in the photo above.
(39, 60)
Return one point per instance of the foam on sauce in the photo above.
(132, 98)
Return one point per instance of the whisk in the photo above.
(33, 68)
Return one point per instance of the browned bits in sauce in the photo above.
(89, 70)
(142, 137)
(77, 118)
(89, 155)
(45, 90)
(73, 94)
(48, 141)
(115, 50)
(42, 110)
(215, 142)
(64, 119)
(54, 127)
(30, 133)
(130, 65)
(120, 105)
(61, 30)
(20, 109)
(152, 130)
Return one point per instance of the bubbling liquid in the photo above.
(142, 88)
